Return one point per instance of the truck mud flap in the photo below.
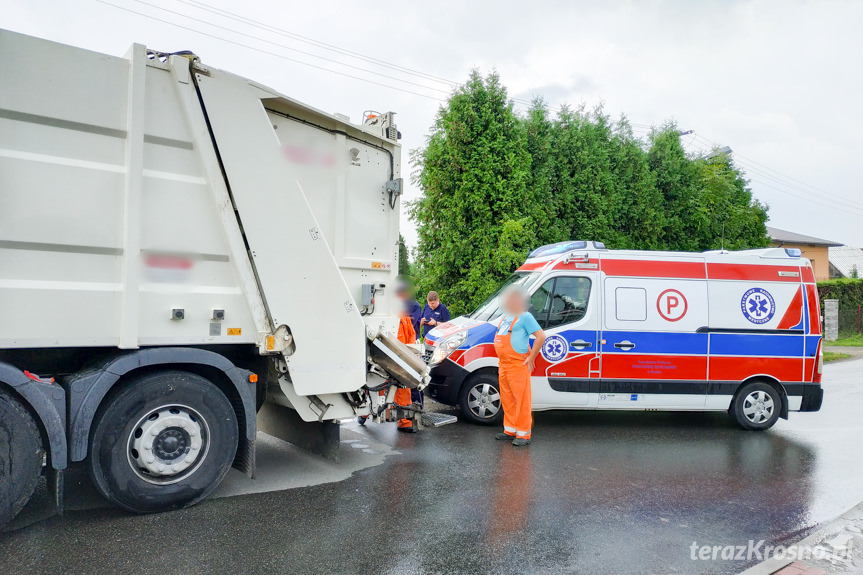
(285, 423)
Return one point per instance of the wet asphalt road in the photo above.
(595, 493)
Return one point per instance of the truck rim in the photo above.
(758, 406)
(484, 400)
(168, 444)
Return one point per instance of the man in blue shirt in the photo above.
(434, 313)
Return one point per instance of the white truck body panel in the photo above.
(115, 211)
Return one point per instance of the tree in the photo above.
(638, 218)
(582, 182)
(676, 181)
(496, 185)
(725, 215)
(539, 141)
(474, 220)
(403, 257)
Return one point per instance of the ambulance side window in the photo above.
(560, 301)
(630, 304)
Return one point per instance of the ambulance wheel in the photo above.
(756, 406)
(164, 441)
(21, 455)
(479, 399)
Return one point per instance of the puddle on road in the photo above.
(281, 465)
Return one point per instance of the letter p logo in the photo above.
(671, 305)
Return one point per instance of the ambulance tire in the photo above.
(479, 399)
(164, 440)
(756, 406)
(21, 455)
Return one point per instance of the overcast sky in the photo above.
(780, 82)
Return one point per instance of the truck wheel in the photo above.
(756, 406)
(21, 455)
(479, 399)
(164, 441)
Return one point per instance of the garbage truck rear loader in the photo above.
(180, 248)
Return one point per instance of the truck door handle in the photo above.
(624, 345)
(580, 344)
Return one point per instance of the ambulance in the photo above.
(656, 331)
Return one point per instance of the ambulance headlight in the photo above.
(447, 346)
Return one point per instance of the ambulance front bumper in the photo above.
(446, 380)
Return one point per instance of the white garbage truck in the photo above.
(186, 257)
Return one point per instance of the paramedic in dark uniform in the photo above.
(434, 313)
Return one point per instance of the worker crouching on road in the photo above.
(515, 364)
(406, 335)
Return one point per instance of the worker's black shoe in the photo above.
(520, 441)
(361, 420)
(410, 429)
(502, 435)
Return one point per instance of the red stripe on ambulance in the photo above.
(649, 367)
(476, 352)
(814, 309)
(794, 313)
(533, 266)
(728, 368)
(653, 269)
(750, 272)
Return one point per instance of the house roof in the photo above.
(844, 258)
(786, 237)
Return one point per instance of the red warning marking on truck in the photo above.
(168, 262)
(671, 305)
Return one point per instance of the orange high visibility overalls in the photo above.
(514, 380)
(406, 335)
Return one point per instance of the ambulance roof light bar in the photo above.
(562, 247)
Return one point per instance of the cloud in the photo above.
(777, 80)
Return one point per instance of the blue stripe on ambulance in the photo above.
(812, 345)
(482, 333)
(657, 342)
(755, 344)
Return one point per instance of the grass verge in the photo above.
(855, 340)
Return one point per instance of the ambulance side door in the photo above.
(567, 308)
(654, 350)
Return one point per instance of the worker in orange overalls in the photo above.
(515, 363)
(403, 395)
(406, 335)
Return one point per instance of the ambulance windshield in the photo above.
(490, 308)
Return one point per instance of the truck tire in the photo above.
(21, 455)
(756, 406)
(479, 399)
(164, 441)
